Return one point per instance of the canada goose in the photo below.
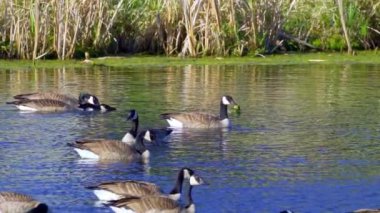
(90, 102)
(103, 149)
(55, 102)
(201, 120)
(12, 202)
(367, 211)
(119, 189)
(160, 134)
(153, 203)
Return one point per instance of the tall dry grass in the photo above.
(34, 29)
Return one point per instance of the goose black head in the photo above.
(132, 115)
(86, 98)
(83, 97)
(106, 108)
(187, 172)
(228, 100)
(193, 178)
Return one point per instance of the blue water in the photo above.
(307, 138)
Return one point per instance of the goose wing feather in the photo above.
(19, 203)
(12, 196)
(42, 104)
(367, 211)
(131, 188)
(47, 95)
(107, 149)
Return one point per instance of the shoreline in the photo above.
(361, 57)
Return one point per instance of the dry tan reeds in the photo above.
(33, 29)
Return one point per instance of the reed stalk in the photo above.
(343, 22)
(36, 27)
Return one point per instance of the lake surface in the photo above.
(307, 138)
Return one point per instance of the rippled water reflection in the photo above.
(307, 138)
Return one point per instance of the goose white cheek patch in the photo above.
(147, 136)
(194, 181)
(91, 100)
(225, 101)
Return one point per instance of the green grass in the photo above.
(371, 57)
(28, 64)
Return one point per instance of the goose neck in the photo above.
(134, 127)
(139, 145)
(223, 111)
(190, 197)
(178, 184)
(190, 202)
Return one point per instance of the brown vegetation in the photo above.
(33, 29)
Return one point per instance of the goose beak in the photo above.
(235, 105)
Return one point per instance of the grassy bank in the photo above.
(370, 57)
